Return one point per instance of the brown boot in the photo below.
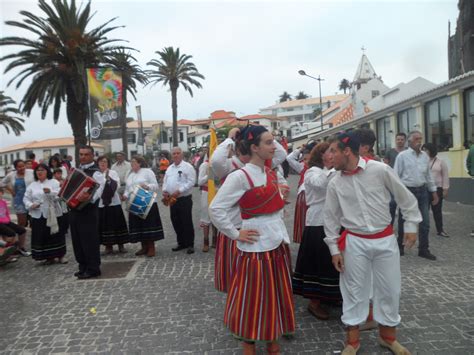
(151, 249)
(214, 236)
(205, 247)
(273, 348)
(143, 250)
(109, 249)
(316, 310)
(248, 348)
(388, 339)
(121, 249)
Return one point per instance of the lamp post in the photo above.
(302, 72)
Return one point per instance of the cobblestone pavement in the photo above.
(168, 304)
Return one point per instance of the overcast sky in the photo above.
(250, 52)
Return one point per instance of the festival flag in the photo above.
(211, 186)
(105, 99)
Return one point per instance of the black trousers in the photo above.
(438, 211)
(84, 226)
(182, 220)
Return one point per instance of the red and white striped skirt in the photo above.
(300, 217)
(260, 299)
(226, 250)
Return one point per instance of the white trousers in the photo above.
(204, 218)
(371, 263)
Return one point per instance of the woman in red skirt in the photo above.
(260, 302)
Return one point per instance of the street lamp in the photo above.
(302, 72)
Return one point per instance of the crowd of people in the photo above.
(347, 202)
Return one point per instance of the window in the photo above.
(6, 159)
(469, 116)
(181, 136)
(11, 158)
(383, 136)
(46, 154)
(406, 120)
(439, 124)
(131, 138)
(375, 93)
(1, 159)
(62, 152)
(18, 155)
(133, 153)
(27, 154)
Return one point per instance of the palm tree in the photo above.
(6, 119)
(301, 96)
(174, 69)
(344, 85)
(132, 74)
(56, 60)
(285, 97)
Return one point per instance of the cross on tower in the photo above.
(363, 49)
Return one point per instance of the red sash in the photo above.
(204, 188)
(341, 241)
(305, 168)
(261, 200)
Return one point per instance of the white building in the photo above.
(43, 150)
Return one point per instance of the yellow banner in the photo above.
(211, 186)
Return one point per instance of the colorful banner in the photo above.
(211, 186)
(105, 98)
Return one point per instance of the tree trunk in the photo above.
(123, 123)
(77, 117)
(174, 107)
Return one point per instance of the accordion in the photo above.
(75, 183)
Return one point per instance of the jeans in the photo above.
(423, 197)
(438, 211)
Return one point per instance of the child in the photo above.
(8, 229)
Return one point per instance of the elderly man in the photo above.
(178, 183)
(413, 168)
(122, 167)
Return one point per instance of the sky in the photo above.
(251, 51)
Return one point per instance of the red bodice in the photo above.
(261, 200)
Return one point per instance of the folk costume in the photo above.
(149, 230)
(315, 277)
(112, 225)
(260, 301)
(301, 205)
(84, 224)
(359, 202)
(47, 241)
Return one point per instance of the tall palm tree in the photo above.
(6, 119)
(56, 60)
(132, 74)
(344, 85)
(285, 97)
(301, 96)
(174, 69)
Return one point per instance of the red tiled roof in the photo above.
(233, 122)
(345, 115)
(221, 114)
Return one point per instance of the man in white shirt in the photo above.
(179, 181)
(122, 167)
(358, 199)
(413, 168)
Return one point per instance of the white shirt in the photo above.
(360, 202)
(122, 170)
(35, 195)
(180, 178)
(116, 198)
(414, 169)
(203, 176)
(143, 176)
(271, 227)
(293, 161)
(316, 182)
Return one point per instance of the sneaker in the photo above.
(23, 252)
(427, 255)
(443, 234)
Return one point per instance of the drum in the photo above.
(140, 202)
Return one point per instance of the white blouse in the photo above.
(35, 195)
(296, 165)
(271, 227)
(143, 176)
(114, 176)
(203, 175)
(316, 182)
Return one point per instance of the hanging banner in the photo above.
(105, 100)
(211, 186)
